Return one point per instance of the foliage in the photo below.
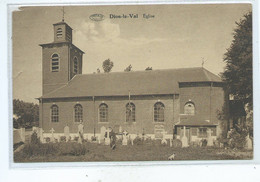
(26, 114)
(107, 65)
(34, 138)
(63, 138)
(238, 59)
(204, 142)
(148, 68)
(138, 141)
(128, 68)
(237, 137)
(176, 143)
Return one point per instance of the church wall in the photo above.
(208, 102)
(116, 114)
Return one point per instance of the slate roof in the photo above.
(137, 82)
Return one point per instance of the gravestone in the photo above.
(164, 141)
(41, 135)
(67, 132)
(184, 139)
(120, 129)
(209, 137)
(124, 141)
(171, 142)
(102, 133)
(80, 132)
(249, 143)
(52, 135)
(107, 137)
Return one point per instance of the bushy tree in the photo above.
(25, 113)
(239, 77)
(128, 68)
(238, 59)
(107, 65)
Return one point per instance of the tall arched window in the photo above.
(130, 112)
(55, 63)
(59, 33)
(75, 65)
(189, 108)
(158, 112)
(103, 113)
(78, 113)
(54, 113)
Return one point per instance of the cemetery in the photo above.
(120, 146)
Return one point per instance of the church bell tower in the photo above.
(61, 59)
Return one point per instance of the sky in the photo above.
(178, 36)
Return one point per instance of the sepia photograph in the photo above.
(159, 82)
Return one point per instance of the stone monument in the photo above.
(184, 139)
(124, 141)
(52, 135)
(209, 137)
(67, 132)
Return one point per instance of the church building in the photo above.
(154, 103)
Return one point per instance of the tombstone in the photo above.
(52, 135)
(107, 137)
(124, 141)
(164, 141)
(171, 142)
(80, 132)
(67, 132)
(209, 137)
(102, 132)
(41, 135)
(120, 129)
(184, 139)
(249, 143)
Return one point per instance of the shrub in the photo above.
(93, 138)
(204, 142)
(176, 143)
(76, 138)
(63, 139)
(138, 141)
(47, 139)
(34, 138)
(237, 139)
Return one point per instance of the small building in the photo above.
(167, 102)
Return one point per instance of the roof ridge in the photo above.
(144, 71)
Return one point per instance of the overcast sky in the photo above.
(178, 36)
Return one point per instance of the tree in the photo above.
(148, 68)
(238, 59)
(128, 68)
(107, 65)
(25, 114)
(238, 71)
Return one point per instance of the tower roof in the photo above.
(137, 82)
(62, 23)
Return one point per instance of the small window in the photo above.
(103, 113)
(76, 65)
(130, 112)
(202, 132)
(54, 113)
(59, 33)
(55, 63)
(189, 108)
(78, 113)
(158, 112)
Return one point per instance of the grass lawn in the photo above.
(145, 152)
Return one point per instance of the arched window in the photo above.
(78, 113)
(75, 65)
(55, 63)
(103, 113)
(54, 113)
(189, 108)
(59, 33)
(130, 112)
(158, 112)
